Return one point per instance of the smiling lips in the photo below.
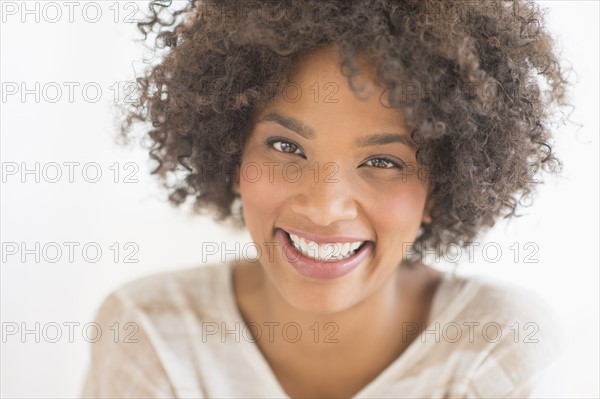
(322, 259)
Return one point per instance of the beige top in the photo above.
(484, 339)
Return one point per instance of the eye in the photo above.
(384, 163)
(285, 146)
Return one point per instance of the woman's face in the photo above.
(324, 165)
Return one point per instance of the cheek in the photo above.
(400, 207)
(260, 192)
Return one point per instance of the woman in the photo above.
(350, 138)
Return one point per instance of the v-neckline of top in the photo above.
(440, 310)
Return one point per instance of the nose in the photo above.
(325, 200)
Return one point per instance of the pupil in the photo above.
(288, 147)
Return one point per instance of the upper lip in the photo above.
(321, 239)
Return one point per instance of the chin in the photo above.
(319, 297)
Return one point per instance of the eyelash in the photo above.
(386, 159)
(270, 142)
(274, 140)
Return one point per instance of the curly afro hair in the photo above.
(477, 81)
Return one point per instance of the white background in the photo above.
(563, 221)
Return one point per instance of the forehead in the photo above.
(317, 89)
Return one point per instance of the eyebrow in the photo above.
(385, 138)
(289, 123)
(308, 133)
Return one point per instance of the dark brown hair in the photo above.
(477, 81)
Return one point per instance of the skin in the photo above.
(360, 316)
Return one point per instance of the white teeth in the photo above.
(326, 251)
(313, 249)
(355, 245)
(345, 248)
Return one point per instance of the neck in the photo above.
(371, 326)
(340, 353)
